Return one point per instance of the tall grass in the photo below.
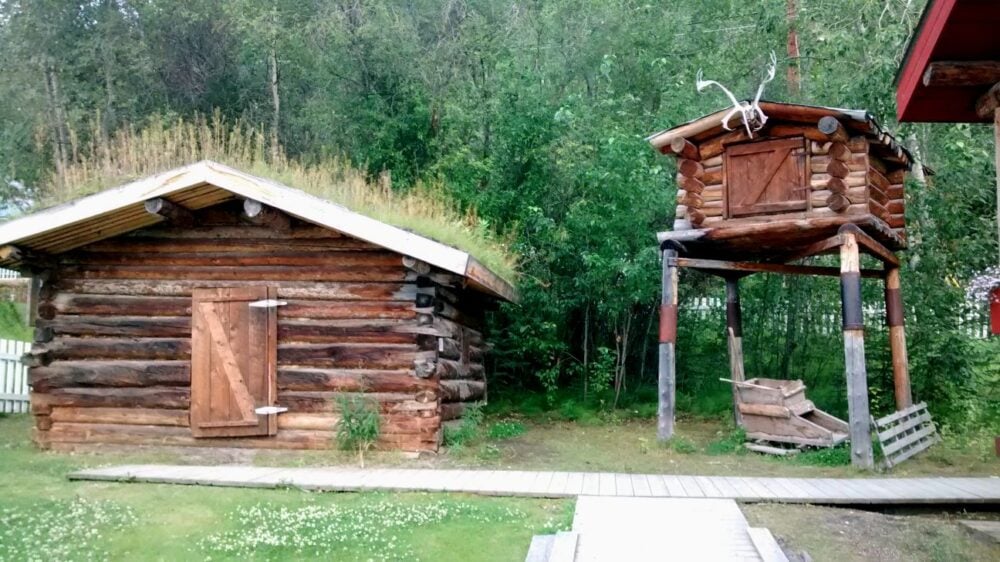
(130, 154)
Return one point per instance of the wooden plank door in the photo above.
(766, 177)
(233, 362)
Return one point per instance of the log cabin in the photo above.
(756, 196)
(205, 307)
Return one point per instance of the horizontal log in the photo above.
(289, 330)
(712, 175)
(232, 228)
(462, 390)
(714, 146)
(152, 435)
(713, 161)
(692, 200)
(854, 195)
(895, 206)
(389, 423)
(237, 244)
(260, 214)
(122, 326)
(72, 303)
(768, 410)
(690, 168)
(962, 73)
(351, 380)
(710, 196)
(821, 181)
(457, 314)
(855, 163)
(375, 274)
(840, 151)
(690, 185)
(454, 370)
(372, 356)
(123, 416)
(157, 397)
(684, 149)
(838, 169)
(329, 401)
(62, 374)
(286, 289)
(303, 258)
(832, 128)
(895, 192)
(67, 348)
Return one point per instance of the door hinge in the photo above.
(267, 303)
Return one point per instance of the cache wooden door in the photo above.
(233, 361)
(766, 177)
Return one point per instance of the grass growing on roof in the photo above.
(131, 154)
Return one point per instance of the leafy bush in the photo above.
(728, 443)
(834, 456)
(681, 445)
(467, 431)
(507, 429)
(359, 425)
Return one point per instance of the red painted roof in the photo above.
(950, 30)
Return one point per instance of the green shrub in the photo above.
(488, 452)
(682, 446)
(507, 429)
(729, 443)
(834, 456)
(359, 425)
(467, 431)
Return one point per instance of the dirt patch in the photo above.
(848, 535)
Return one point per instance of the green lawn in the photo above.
(701, 447)
(43, 514)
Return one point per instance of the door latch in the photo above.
(267, 303)
(268, 410)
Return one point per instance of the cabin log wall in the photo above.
(457, 315)
(111, 360)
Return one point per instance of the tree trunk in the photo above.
(586, 356)
(791, 14)
(275, 103)
(60, 142)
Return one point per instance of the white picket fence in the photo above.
(13, 377)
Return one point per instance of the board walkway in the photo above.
(550, 484)
(636, 529)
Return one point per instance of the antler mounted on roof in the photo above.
(753, 116)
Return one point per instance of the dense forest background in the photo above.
(533, 113)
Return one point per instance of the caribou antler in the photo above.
(761, 118)
(753, 116)
(737, 106)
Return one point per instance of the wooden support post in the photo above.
(667, 379)
(169, 211)
(854, 354)
(897, 339)
(734, 337)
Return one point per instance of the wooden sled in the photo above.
(777, 410)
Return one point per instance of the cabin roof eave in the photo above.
(859, 120)
(120, 210)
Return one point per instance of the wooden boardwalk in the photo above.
(636, 529)
(852, 491)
